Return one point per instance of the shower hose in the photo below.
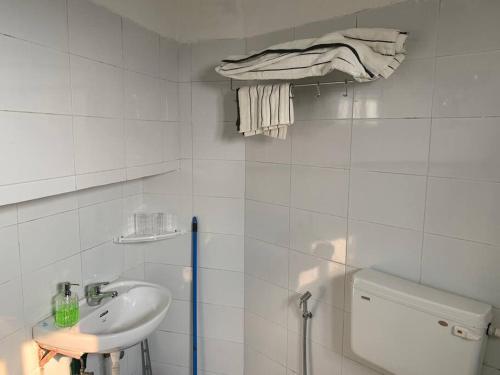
(306, 315)
(304, 345)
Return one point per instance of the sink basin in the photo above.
(116, 324)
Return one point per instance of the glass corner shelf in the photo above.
(137, 238)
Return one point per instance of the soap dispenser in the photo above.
(67, 309)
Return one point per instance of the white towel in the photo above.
(265, 109)
(365, 54)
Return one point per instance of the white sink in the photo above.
(116, 324)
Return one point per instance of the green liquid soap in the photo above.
(67, 315)
(67, 309)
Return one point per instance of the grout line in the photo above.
(122, 117)
(209, 304)
(348, 214)
(203, 337)
(91, 173)
(294, 208)
(230, 123)
(464, 239)
(365, 170)
(427, 180)
(38, 44)
(473, 53)
(237, 272)
(20, 266)
(66, 257)
(268, 357)
(92, 59)
(289, 239)
(40, 180)
(70, 78)
(321, 213)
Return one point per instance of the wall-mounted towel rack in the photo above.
(345, 82)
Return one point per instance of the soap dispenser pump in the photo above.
(67, 309)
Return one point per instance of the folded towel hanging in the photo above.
(265, 109)
(365, 54)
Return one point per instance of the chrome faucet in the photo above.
(94, 294)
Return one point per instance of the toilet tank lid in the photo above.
(442, 304)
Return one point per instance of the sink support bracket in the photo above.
(44, 356)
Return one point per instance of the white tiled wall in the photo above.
(87, 98)
(402, 175)
(211, 185)
(362, 181)
(76, 79)
(50, 240)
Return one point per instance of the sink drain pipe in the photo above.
(194, 266)
(115, 363)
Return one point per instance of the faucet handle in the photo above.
(96, 287)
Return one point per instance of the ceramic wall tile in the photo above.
(389, 249)
(10, 268)
(42, 21)
(220, 215)
(463, 267)
(266, 300)
(35, 147)
(169, 59)
(142, 97)
(94, 32)
(141, 49)
(391, 145)
(465, 148)
(206, 55)
(47, 240)
(100, 223)
(467, 26)
(418, 18)
(452, 203)
(323, 278)
(266, 262)
(97, 88)
(322, 143)
(392, 199)
(317, 234)
(406, 94)
(467, 86)
(99, 144)
(35, 78)
(267, 222)
(219, 178)
(221, 251)
(144, 142)
(267, 149)
(268, 182)
(11, 307)
(266, 337)
(320, 189)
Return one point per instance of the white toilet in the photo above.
(410, 329)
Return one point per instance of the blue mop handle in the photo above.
(194, 260)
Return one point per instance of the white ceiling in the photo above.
(189, 20)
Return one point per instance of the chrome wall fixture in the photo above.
(318, 85)
(306, 315)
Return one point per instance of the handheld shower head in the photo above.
(304, 297)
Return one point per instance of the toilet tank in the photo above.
(410, 329)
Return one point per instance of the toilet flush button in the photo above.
(465, 333)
